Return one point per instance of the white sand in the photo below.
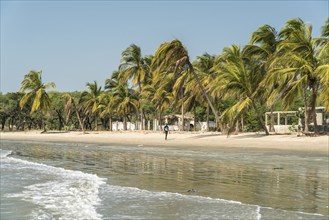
(196, 140)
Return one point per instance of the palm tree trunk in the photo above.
(260, 118)
(160, 121)
(183, 112)
(207, 116)
(194, 127)
(142, 117)
(237, 129)
(80, 122)
(313, 105)
(272, 120)
(43, 123)
(306, 120)
(124, 123)
(204, 92)
(140, 105)
(110, 122)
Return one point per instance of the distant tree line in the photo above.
(281, 70)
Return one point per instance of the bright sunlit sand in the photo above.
(195, 141)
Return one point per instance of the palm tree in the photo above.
(159, 92)
(135, 67)
(127, 101)
(263, 44)
(36, 91)
(204, 68)
(71, 106)
(298, 68)
(173, 57)
(239, 77)
(322, 72)
(90, 100)
(106, 107)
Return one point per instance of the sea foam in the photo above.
(61, 193)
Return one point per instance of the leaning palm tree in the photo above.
(136, 68)
(36, 91)
(238, 77)
(71, 106)
(173, 57)
(204, 68)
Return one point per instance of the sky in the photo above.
(75, 42)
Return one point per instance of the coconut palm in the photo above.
(90, 100)
(173, 57)
(322, 72)
(204, 68)
(135, 67)
(239, 77)
(70, 106)
(36, 91)
(107, 106)
(299, 67)
(263, 44)
(127, 101)
(159, 92)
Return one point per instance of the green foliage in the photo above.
(284, 70)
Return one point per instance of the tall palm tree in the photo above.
(263, 44)
(204, 68)
(298, 67)
(71, 106)
(127, 101)
(239, 77)
(173, 57)
(159, 92)
(90, 100)
(322, 72)
(135, 67)
(36, 91)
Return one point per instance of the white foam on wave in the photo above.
(4, 153)
(258, 215)
(62, 193)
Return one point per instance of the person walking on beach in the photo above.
(166, 130)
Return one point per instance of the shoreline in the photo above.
(203, 141)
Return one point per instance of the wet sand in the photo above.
(207, 141)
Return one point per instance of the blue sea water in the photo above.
(79, 181)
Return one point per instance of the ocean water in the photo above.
(86, 181)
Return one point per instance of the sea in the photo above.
(42, 180)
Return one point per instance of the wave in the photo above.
(56, 192)
(4, 153)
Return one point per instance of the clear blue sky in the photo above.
(75, 42)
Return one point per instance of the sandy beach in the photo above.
(191, 140)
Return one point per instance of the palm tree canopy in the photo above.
(169, 56)
(133, 66)
(325, 29)
(36, 90)
(90, 98)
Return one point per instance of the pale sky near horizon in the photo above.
(75, 42)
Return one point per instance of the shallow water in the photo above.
(85, 181)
